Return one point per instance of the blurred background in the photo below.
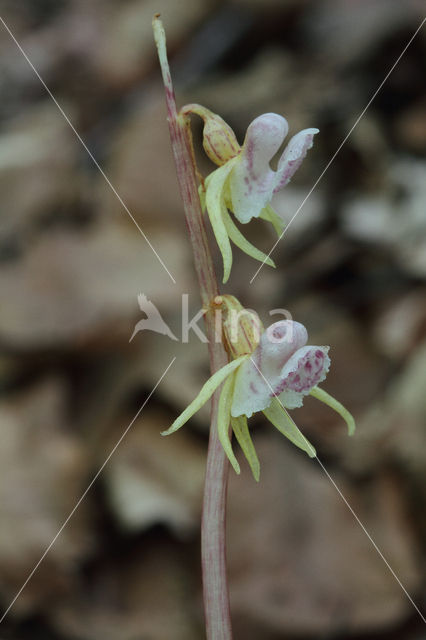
(352, 268)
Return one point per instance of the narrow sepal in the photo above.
(272, 216)
(242, 433)
(327, 399)
(242, 243)
(279, 417)
(223, 421)
(214, 203)
(206, 392)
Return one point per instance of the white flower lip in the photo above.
(286, 367)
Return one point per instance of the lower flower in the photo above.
(271, 374)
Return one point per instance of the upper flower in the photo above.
(244, 183)
(270, 372)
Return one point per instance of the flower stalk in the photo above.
(213, 550)
(269, 370)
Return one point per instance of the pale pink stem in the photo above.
(213, 550)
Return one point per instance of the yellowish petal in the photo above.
(237, 238)
(271, 216)
(325, 397)
(242, 433)
(206, 392)
(279, 417)
(223, 419)
(214, 200)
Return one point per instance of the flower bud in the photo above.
(219, 141)
(241, 328)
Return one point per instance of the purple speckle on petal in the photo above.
(253, 388)
(307, 374)
(279, 332)
(250, 152)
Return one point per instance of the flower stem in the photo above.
(213, 551)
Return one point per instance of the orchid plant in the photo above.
(252, 369)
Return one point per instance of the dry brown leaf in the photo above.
(156, 480)
(37, 168)
(43, 472)
(142, 168)
(146, 592)
(77, 289)
(298, 561)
